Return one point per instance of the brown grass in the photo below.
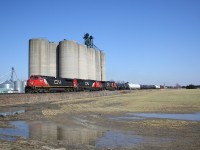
(166, 101)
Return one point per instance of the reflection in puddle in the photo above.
(18, 129)
(139, 116)
(52, 133)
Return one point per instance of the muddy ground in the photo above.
(80, 120)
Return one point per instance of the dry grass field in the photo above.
(162, 101)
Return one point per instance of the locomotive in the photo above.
(43, 84)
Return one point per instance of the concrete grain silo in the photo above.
(91, 64)
(38, 56)
(82, 62)
(97, 65)
(68, 59)
(103, 65)
(52, 59)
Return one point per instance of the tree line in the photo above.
(191, 86)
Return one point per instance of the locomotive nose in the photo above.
(30, 83)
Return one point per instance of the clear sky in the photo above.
(145, 41)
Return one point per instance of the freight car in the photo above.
(134, 86)
(42, 84)
(131, 86)
(147, 87)
(123, 86)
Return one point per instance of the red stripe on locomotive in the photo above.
(97, 84)
(75, 83)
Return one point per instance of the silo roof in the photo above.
(6, 82)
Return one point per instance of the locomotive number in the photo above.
(57, 81)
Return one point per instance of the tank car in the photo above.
(147, 86)
(133, 86)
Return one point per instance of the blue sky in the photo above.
(145, 41)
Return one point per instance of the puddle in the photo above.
(83, 136)
(11, 111)
(52, 133)
(141, 116)
(17, 129)
(116, 139)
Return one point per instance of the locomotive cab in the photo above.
(36, 80)
(36, 83)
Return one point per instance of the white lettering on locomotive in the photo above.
(87, 83)
(57, 81)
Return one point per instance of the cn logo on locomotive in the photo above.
(57, 81)
(87, 83)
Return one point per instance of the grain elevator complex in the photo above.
(66, 59)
